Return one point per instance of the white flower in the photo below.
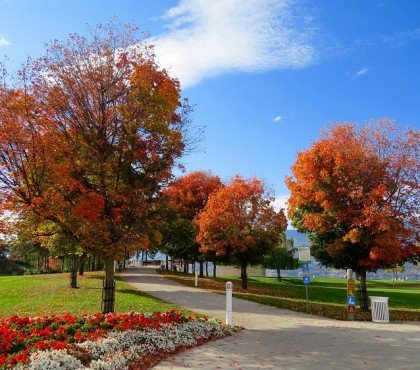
(115, 351)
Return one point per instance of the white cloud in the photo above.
(361, 72)
(208, 38)
(4, 41)
(280, 202)
(277, 118)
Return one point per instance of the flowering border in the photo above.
(101, 342)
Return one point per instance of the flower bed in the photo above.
(100, 342)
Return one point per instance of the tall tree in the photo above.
(356, 191)
(240, 223)
(187, 197)
(89, 134)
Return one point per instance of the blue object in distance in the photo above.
(351, 300)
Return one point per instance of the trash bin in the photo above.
(379, 306)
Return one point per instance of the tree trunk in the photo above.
(185, 267)
(73, 271)
(82, 264)
(201, 268)
(167, 263)
(244, 276)
(108, 289)
(207, 268)
(363, 291)
(214, 269)
(278, 274)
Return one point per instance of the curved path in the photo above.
(281, 339)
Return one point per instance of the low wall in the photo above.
(234, 271)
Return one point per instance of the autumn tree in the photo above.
(89, 134)
(240, 223)
(356, 191)
(187, 197)
(282, 257)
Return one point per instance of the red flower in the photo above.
(78, 336)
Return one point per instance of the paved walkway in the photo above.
(282, 339)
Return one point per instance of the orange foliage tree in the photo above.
(89, 134)
(187, 197)
(356, 192)
(240, 223)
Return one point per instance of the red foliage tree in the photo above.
(356, 193)
(239, 222)
(187, 197)
(88, 136)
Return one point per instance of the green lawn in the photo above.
(327, 297)
(406, 294)
(33, 295)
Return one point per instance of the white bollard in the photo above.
(196, 276)
(229, 287)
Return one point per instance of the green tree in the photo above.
(282, 257)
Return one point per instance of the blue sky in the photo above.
(265, 75)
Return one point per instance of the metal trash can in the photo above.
(380, 312)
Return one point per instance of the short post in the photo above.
(196, 276)
(229, 287)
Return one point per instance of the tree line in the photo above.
(90, 135)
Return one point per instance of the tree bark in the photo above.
(363, 291)
(201, 263)
(278, 274)
(73, 271)
(244, 276)
(214, 269)
(108, 290)
(167, 263)
(207, 268)
(82, 264)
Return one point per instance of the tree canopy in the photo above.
(240, 223)
(186, 197)
(356, 191)
(89, 134)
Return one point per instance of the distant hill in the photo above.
(299, 238)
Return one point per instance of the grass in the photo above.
(35, 295)
(405, 295)
(327, 297)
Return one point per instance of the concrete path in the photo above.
(281, 339)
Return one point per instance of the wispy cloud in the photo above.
(361, 72)
(4, 41)
(401, 39)
(393, 41)
(209, 38)
(277, 119)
